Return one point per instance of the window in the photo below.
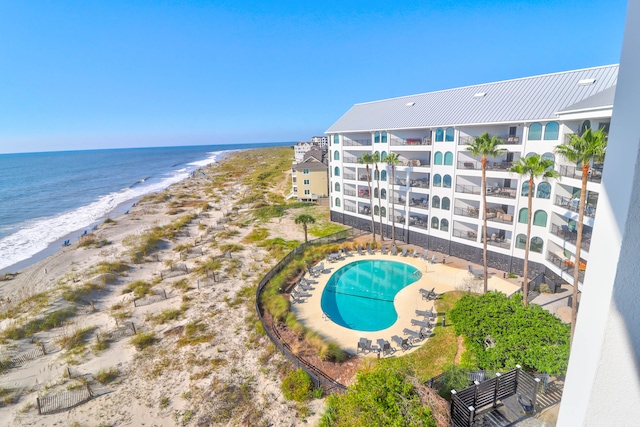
(375, 193)
(383, 155)
(521, 241)
(383, 176)
(446, 203)
(585, 125)
(525, 188)
(376, 210)
(544, 190)
(307, 192)
(376, 155)
(305, 171)
(338, 201)
(437, 158)
(437, 180)
(336, 140)
(435, 202)
(306, 182)
(376, 137)
(444, 225)
(384, 137)
(449, 135)
(540, 218)
(375, 175)
(536, 245)
(535, 131)
(383, 211)
(336, 155)
(383, 194)
(549, 156)
(336, 171)
(448, 158)
(435, 223)
(446, 181)
(337, 186)
(439, 135)
(523, 216)
(551, 131)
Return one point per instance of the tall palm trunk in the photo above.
(525, 278)
(393, 211)
(373, 222)
(576, 266)
(379, 202)
(484, 222)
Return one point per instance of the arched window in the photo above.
(525, 188)
(551, 131)
(384, 136)
(376, 137)
(544, 190)
(446, 203)
(523, 216)
(336, 171)
(585, 125)
(338, 201)
(449, 135)
(535, 131)
(383, 155)
(530, 154)
(521, 241)
(383, 211)
(375, 175)
(435, 202)
(446, 181)
(437, 180)
(383, 194)
(376, 154)
(444, 225)
(337, 186)
(437, 158)
(375, 193)
(435, 223)
(549, 156)
(336, 139)
(439, 135)
(336, 155)
(376, 210)
(536, 245)
(448, 158)
(383, 176)
(540, 218)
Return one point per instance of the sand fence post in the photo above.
(38, 404)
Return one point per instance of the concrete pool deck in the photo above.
(443, 277)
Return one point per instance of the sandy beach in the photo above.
(206, 364)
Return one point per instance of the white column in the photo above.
(603, 381)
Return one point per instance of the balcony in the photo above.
(498, 215)
(364, 194)
(419, 203)
(468, 189)
(466, 234)
(350, 193)
(419, 221)
(415, 162)
(469, 212)
(351, 176)
(573, 204)
(594, 174)
(505, 192)
(350, 208)
(566, 265)
(506, 140)
(571, 236)
(356, 142)
(399, 201)
(419, 183)
(503, 166)
(411, 141)
(351, 159)
(498, 241)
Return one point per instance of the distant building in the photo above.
(310, 177)
(320, 141)
(301, 148)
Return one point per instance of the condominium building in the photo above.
(320, 141)
(436, 194)
(310, 177)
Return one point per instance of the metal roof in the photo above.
(599, 100)
(520, 100)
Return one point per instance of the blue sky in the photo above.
(97, 74)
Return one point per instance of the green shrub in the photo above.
(142, 340)
(106, 376)
(297, 386)
(455, 378)
(139, 288)
(54, 319)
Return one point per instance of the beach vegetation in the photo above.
(182, 285)
(195, 332)
(165, 316)
(297, 386)
(106, 376)
(164, 402)
(231, 247)
(305, 219)
(278, 247)
(30, 304)
(116, 267)
(257, 235)
(75, 339)
(55, 319)
(81, 292)
(102, 343)
(109, 221)
(228, 233)
(139, 288)
(142, 340)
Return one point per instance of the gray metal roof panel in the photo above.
(600, 99)
(525, 99)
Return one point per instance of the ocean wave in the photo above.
(37, 234)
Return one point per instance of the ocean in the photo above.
(45, 197)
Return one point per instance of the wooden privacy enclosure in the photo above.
(465, 404)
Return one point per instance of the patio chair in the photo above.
(403, 343)
(364, 344)
(413, 335)
(305, 287)
(360, 250)
(339, 254)
(369, 250)
(425, 256)
(394, 250)
(477, 273)
(384, 250)
(346, 252)
(404, 251)
(415, 253)
(433, 260)
(298, 297)
(425, 313)
(422, 323)
(361, 347)
(385, 347)
(426, 295)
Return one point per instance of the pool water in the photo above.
(360, 295)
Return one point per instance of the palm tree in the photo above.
(584, 149)
(305, 219)
(392, 160)
(376, 160)
(485, 145)
(532, 167)
(368, 159)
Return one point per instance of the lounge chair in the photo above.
(360, 252)
(403, 343)
(433, 260)
(404, 251)
(364, 345)
(394, 250)
(425, 313)
(305, 287)
(415, 253)
(425, 256)
(426, 295)
(346, 252)
(477, 273)
(315, 270)
(339, 254)
(421, 323)
(384, 250)
(298, 297)
(413, 335)
(369, 250)
(385, 347)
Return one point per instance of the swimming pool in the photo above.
(360, 295)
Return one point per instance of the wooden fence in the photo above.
(22, 358)
(63, 401)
